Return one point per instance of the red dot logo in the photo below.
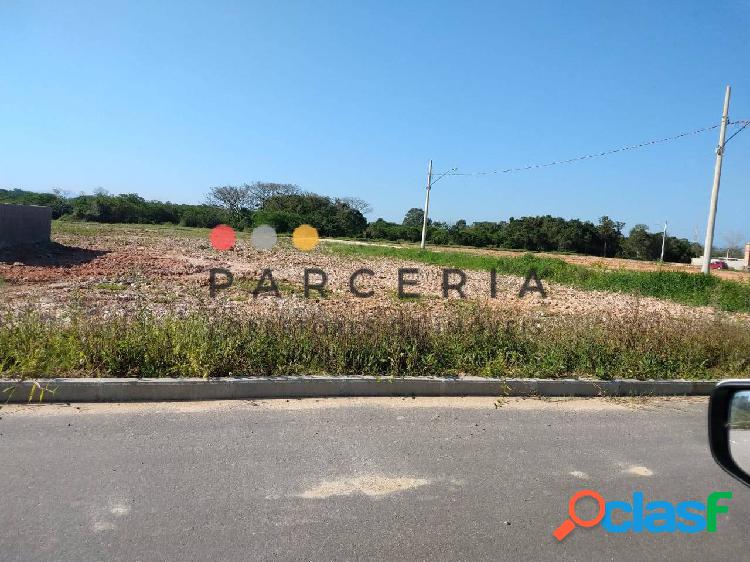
(222, 237)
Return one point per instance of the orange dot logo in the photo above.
(223, 237)
(305, 237)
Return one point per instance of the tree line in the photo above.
(542, 234)
(286, 206)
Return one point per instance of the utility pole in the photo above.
(663, 240)
(426, 205)
(715, 191)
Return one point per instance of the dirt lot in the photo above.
(111, 269)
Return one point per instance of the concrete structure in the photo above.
(747, 255)
(24, 224)
(246, 388)
(738, 264)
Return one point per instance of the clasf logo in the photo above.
(655, 516)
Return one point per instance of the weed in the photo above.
(475, 342)
(682, 287)
(107, 286)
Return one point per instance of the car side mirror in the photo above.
(729, 427)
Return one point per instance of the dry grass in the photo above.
(133, 300)
(476, 342)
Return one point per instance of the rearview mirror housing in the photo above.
(729, 427)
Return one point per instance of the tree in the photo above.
(678, 250)
(357, 204)
(610, 233)
(330, 218)
(733, 239)
(381, 229)
(414, 217)
(260, 192)
(281, 221)
(640, 244)
(232, 197)
(203, 216)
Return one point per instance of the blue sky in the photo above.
(166, 99)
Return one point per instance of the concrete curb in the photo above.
(129, 390)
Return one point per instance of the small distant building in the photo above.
(24, 224)
(739, 264)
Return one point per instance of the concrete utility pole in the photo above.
(426, 205)
(715, 191)
(663, 240)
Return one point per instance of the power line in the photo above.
(596, 154)
(738, 131)
(441, 176)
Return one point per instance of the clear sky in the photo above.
(166, 99)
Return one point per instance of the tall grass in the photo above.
(473, 342)
(682, 287)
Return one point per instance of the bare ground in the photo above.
(107, 269)
(678, 403)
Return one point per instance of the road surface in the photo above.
(353, 479)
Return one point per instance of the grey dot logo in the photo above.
(263, 237)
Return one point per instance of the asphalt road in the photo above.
(380, 479)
